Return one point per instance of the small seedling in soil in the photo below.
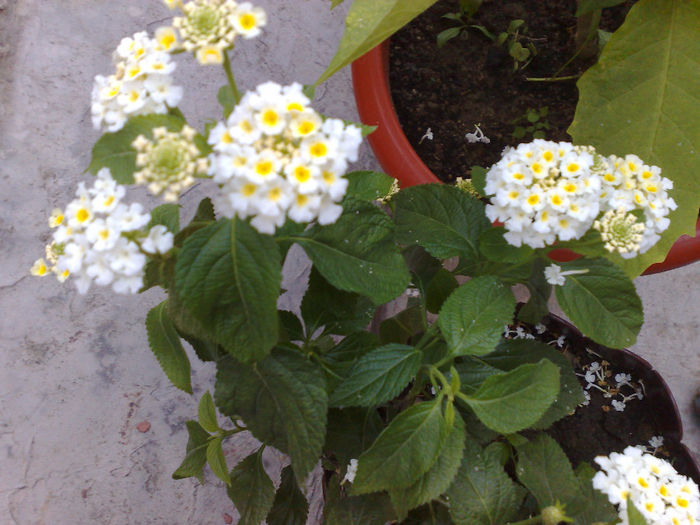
(532, 122)
(467, 9)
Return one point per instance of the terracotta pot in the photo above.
(370, 76)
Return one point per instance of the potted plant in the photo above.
(434, 416)
(399, 158)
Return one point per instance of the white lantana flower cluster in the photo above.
(96, 239)
(275, 157)
(142, 82)
(662, 495)
(209, 27)
(546, 191)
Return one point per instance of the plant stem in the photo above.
(231, 80)
(529, 521)
(553, 79)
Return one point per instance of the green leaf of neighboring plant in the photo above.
(217, 461)
(448, 34)
(196, 457)
(403, 326)
(546, 472)
(228, 275)
(226, 99)
(290, 326)
(592, 505)
(404, 451)
(205, 211)
(438, 478)
(473, 372)
(206, 413)
(290, 506)
(370, 509)
(602, 303)
(478, 176)
(586, 6)
(357, 253)
(494, 246)
(378, 376)
(642, 97)
(351, 431)
(368, 23)
(251, 490)
(540, 291)
(517, 399)
(165, 344)
(114, 151)
(283, 401)
(481, 493)
(168, 215)
(439, 289)
(634, 517)
(343, 356)
(205, 350)
(368, 185)
(443, 219)
(472, 318)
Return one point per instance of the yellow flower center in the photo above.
(270, 117)
(318, 150)
(134, 96)
(104, 234)
(570, 188)
(263, 168)
(302, 200)
(274, 194)
(226, 138)
(518, 176)
(295, 106)
(82, 215)
(651, 188)
(572, 168)
(643, 483)
(247, 21)
(167, 40)
(556, 200)
(302, 173)
(248, 190)
(646, 175)
(536, 167)
(328, 177)
(609, 177)
(109, 200)
(632, 166)
(246, 126)
(682, 502)
(513, 195)
(663, 490)
(533, 199)
(306, 127)
(548, 156)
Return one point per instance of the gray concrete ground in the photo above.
(76, 374)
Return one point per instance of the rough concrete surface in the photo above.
(76, 375)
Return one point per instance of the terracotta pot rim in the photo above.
(370, 77)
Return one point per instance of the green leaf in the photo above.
(602, 303)
(226, 99)
(370, 509)
(378, 376)
(494, 246)
(540, 291)
(478, 176)
(592, 505)
(368, 185)
(448, 34)
(586, 6)
(368, 23)
(439, 289)
(351, 431)
(114, 151)
(290, 506)
(357, 253)
(473, 372)
(196, 457)
(165, 344)
(546, 472)
(228, 276)
(438, 478)
(515, 400)
(343, 356)
(217, 461)
(634, 517)
(473, 317)
(290, 326)
(251, 490)
(206, 413)
(403, 326)
(166, 214)
(481, 493)
(642, 97)
(405, 449)
(444, 220)
(205, 211)
(283, 401)
(205, 350)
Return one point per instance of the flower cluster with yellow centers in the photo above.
(98, 238)
(169, 163)
(209, 27)
(275, 157)
(662, 495)
(141, 84)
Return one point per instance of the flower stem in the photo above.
(553, 79)
(231, 80)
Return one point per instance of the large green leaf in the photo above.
(404, 451)
(206, 413)
(474, 315)
(368, 509)
(340, 359)
(368, 185)
(592, 505)
(351, 431)
(228, 276)
(443, 219)
(643, 97)
(165, 344)
(602, 302)
(357, 253)
(378, 376)
(515, 400)
(438, 478)
(283, 401)
(290, 506)
(634, 516)
(168, 215)
(251, 490)
(196, 458)
(217, 460)
(482, 493)
(367, 24)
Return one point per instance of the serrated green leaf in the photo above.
(351, 431)
(481, 493)
(378, 376)
(472, 318)
(405, 449)
(342, 357)
(438, 478)
(251, 490)
(515, 400)
(205, 211)
(168, 215)
(494, 246)
(226, 99)
(357, 253)
(444, 220)
(165, 344)
(228, 276)
(290, 506)
(114, 151)
(282, 400)
(439, 289)
(217, 461)
(642, 97)
(290, 326)
(369, 509)
(473, 372)
(540, 291)
(602, 302)
(196, 457)
(206, 413)
(368, 185)
(401, 327)
(368, 23)
(205, 350)
(478, 178)
(592, 505)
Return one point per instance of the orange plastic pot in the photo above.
(370, 78)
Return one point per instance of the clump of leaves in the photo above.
(532, 122)
(467, 9)
(520, 47)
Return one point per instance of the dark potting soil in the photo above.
(470, 80)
